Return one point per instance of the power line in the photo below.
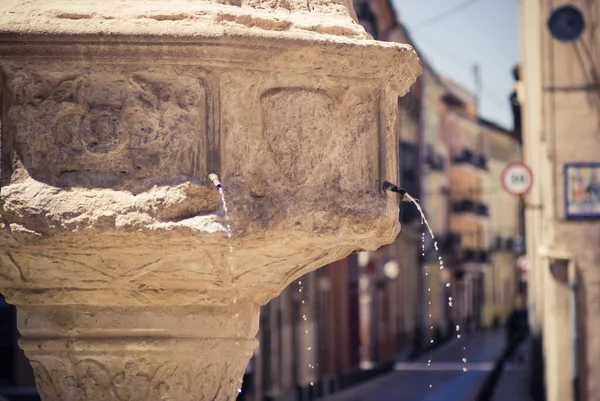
(447, 54)
(448, 13)
(490, 95)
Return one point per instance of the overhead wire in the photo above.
(446, 14)
(456, 59)
(459, 61)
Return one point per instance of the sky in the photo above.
(485, 32)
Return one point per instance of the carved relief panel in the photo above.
(110, 126)
(300, 132)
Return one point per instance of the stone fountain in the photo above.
(112, 238)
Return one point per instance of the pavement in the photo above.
(441, 380)
(513, 384)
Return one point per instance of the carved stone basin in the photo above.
(113, 244)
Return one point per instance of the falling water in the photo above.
(441, 264)
(306, 331)
(227, 225)
(227, 218)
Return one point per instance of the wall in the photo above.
(561, 118)
(501, 276)
(462, 131)
(572, 126)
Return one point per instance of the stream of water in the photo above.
(308, 333)
(441, 267)
(227, 218)
(424, 222)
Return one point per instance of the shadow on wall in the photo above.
(582, 319)
(559, 271)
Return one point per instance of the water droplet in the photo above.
(431, 385)
(312, 384)
(309, 348)
(457, 327)
(464, 360)
(458, 336)
(431, 341)
(447, 285)
(464, 369)
(239, 390)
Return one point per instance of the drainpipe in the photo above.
(555, 254)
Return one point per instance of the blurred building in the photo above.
(469, 213)
(503, 237)
(560, 103)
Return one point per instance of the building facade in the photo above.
(469, 214)
(561, 120)
(503, 289)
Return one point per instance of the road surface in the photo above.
(442, 380)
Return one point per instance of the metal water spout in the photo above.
(215, 180)
(388, 186)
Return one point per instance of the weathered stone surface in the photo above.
(138, 353)
(113, 243)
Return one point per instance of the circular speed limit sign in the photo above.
(517, 179)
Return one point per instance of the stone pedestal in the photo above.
(114, 244)
(81, 352)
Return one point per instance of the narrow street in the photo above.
(444, 380)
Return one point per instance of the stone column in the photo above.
(114, 245)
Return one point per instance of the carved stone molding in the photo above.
(112, 126)
(131, 354)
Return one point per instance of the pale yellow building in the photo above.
(502, 236)
(469, 214)
(561, 120)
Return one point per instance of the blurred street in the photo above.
(448, 381)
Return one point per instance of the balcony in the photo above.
(468, 157)
(435, 162)
(469, 206)
(480, 256)
(507, 244)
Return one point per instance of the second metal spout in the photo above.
(388, 186)
(215, 180)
